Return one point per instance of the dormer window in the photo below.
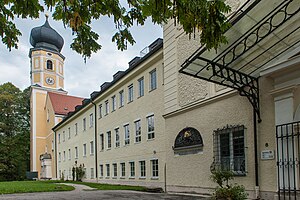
(49, 65)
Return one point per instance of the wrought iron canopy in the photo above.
(262, 32)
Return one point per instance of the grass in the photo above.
(32, 186)
(100, 186)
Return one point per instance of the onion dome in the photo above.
(46, 37)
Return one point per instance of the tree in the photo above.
(206, 16)
(14, 132)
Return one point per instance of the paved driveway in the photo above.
(84, 192)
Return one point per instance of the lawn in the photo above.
(100, 186)
(31, 186)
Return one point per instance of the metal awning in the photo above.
(261, 33)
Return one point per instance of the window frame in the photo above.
(91, 120)
(150, 132)
(115, 170)
(84, 150)
(69, 133)
(100, 110)
(76, 153)
(152, 80)
(121, 96)
(141, 84)
(92, 147)
(114, 103)
(142, 164)
(132, 169)
(130, 93)
(101, 171)
(231, 134)
(138, 133)
(84, 124)
(155, 168)
(117, 137)
(123, 170)
(107, 170)
(108, 139)
(101, 137)
(126, 135)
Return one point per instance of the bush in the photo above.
(225, 190)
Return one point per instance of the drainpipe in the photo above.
(255, 155)
(96, 151)
(55, 154)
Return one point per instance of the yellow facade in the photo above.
(43, 118)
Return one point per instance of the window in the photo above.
(101, 142)
(138, 136)
(108, 139)
(130, 93)
(48, 115)
(69, 154)
(114, 103)
(92, 173)
(76, 129)
(76, 152)
(58, 138)
(84, 149)
(141, 87)
(59, 157)
(154, 164)
(92, 147)
(69, 133)
(123, 172)
(49, 65)
(143, 169)
(107, 170)
(229, 151)
(84, 169)
(127, 134)
(150, 124)
(100, 111)
(121, 93)
(153, 80)
(132, 169)
(117, 137)
(91, 120)
(64, 136)
(106, 107)
(64, 155)
(84, 124)
(52, 145)
(101, 170)
(115, 168)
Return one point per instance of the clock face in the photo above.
(49, 80)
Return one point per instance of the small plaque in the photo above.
(267, 155)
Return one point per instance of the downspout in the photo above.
(255, 155)
(55, 154)
(96, 145)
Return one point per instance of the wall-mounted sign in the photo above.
(267, 155)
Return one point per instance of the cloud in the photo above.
(80, 79)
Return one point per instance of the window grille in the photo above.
(229, 149)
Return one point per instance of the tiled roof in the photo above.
(62, 104)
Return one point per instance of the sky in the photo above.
(81, 78)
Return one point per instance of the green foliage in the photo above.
(14, 132)
(225, 190)
(205, 16)
(32, 186)
(79, 172)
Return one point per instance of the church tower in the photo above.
(47, 76)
